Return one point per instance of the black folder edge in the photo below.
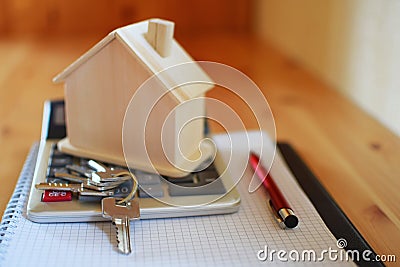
(328, 209)
(54, 130)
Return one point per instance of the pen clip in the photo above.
(278, 218)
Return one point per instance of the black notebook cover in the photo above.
(330, 212)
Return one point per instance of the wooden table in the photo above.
(354, 156)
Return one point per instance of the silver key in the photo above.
(76, 188)
(89, 183)
(80, 170)
(105, 174)
(83, 181)
(86, 172)
(121, 215)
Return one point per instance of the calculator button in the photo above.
(89, 198)
(206, 177)
(57, 153)
(60, 162)
(56, 196)
(216, 188)
(211, 168)
(145, 178)
(56, 180)
(186, 179)
(52, 170)
(151, 191)
(205, 166)
(83, 162)
(123, 189)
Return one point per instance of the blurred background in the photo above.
(88, 17)
(353, 45)
(323, 65)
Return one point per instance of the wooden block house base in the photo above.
(208, 153)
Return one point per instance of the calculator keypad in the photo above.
(204, 182)
(154, 190)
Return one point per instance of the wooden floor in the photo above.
(355, 157)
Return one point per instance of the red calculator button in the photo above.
(56, 196)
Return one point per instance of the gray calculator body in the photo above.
(53, 129)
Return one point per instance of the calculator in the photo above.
(159, 197)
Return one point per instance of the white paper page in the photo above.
(218, 240)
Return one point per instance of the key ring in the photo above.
(134, 188)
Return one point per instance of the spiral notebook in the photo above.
(240, 239)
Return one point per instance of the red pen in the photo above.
(280, 207)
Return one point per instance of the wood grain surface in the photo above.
(77, 17)
(354, 156)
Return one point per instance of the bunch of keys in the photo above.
(100, 182)
(97, 181)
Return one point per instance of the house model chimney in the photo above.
(159, 35)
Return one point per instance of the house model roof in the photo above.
(152, 42)
(111, 73)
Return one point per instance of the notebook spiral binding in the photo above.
(16, 206)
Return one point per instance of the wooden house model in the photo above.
(100, 84)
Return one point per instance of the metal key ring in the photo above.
(134, 187)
